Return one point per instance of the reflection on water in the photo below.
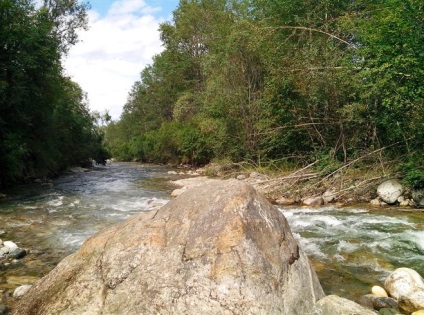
(350, 248)
(353, 249)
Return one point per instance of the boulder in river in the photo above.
(389, 191)
(403, 281)
(217, 249)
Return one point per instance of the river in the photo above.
(350, 248)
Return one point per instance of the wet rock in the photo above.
(385, 302)
(390, 191)
(367, 301)
(21, 291)
(379, 291)
(217, 249)
(335, 305)
(17, 253)
(403, 281)
(418, 196)
(4, 310)
(413, 301)
(313, 201)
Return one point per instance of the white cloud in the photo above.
(112, 53)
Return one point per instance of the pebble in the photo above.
(21, 291)
(17, 253)
(10, 244)
(379, 291)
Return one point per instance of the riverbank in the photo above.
(307, 186)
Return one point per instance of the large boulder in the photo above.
(390, 191)
(216, 249)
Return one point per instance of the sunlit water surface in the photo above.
(350, 248)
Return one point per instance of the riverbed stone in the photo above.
(217, 249)
(390, 191)
(335, 305)
(21, 291)
(379, 291)
(403, 281)
(385, 302)
(10, 245)
(17, 253)
(367, 301)
(313, 201)
(413, 301)
(283, 201)
(418, 197)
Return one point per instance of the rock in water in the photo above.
(390, 191)
(217, 249)
(403, 281)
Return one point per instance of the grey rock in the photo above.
(390, 191)
(17, 253)
(418, 196)
(241, 177)
(217, 249)
(10, 245)
(385, 302)
(367, 301)
(335, 305)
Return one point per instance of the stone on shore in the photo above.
(217, 249)
(313, 201)
(390, 191)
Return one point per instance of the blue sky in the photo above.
(166, 6)
(122, 39)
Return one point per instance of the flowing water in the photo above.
(350, 248)
(353, 249)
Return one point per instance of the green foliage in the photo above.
(45, 125)
(262, 81)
